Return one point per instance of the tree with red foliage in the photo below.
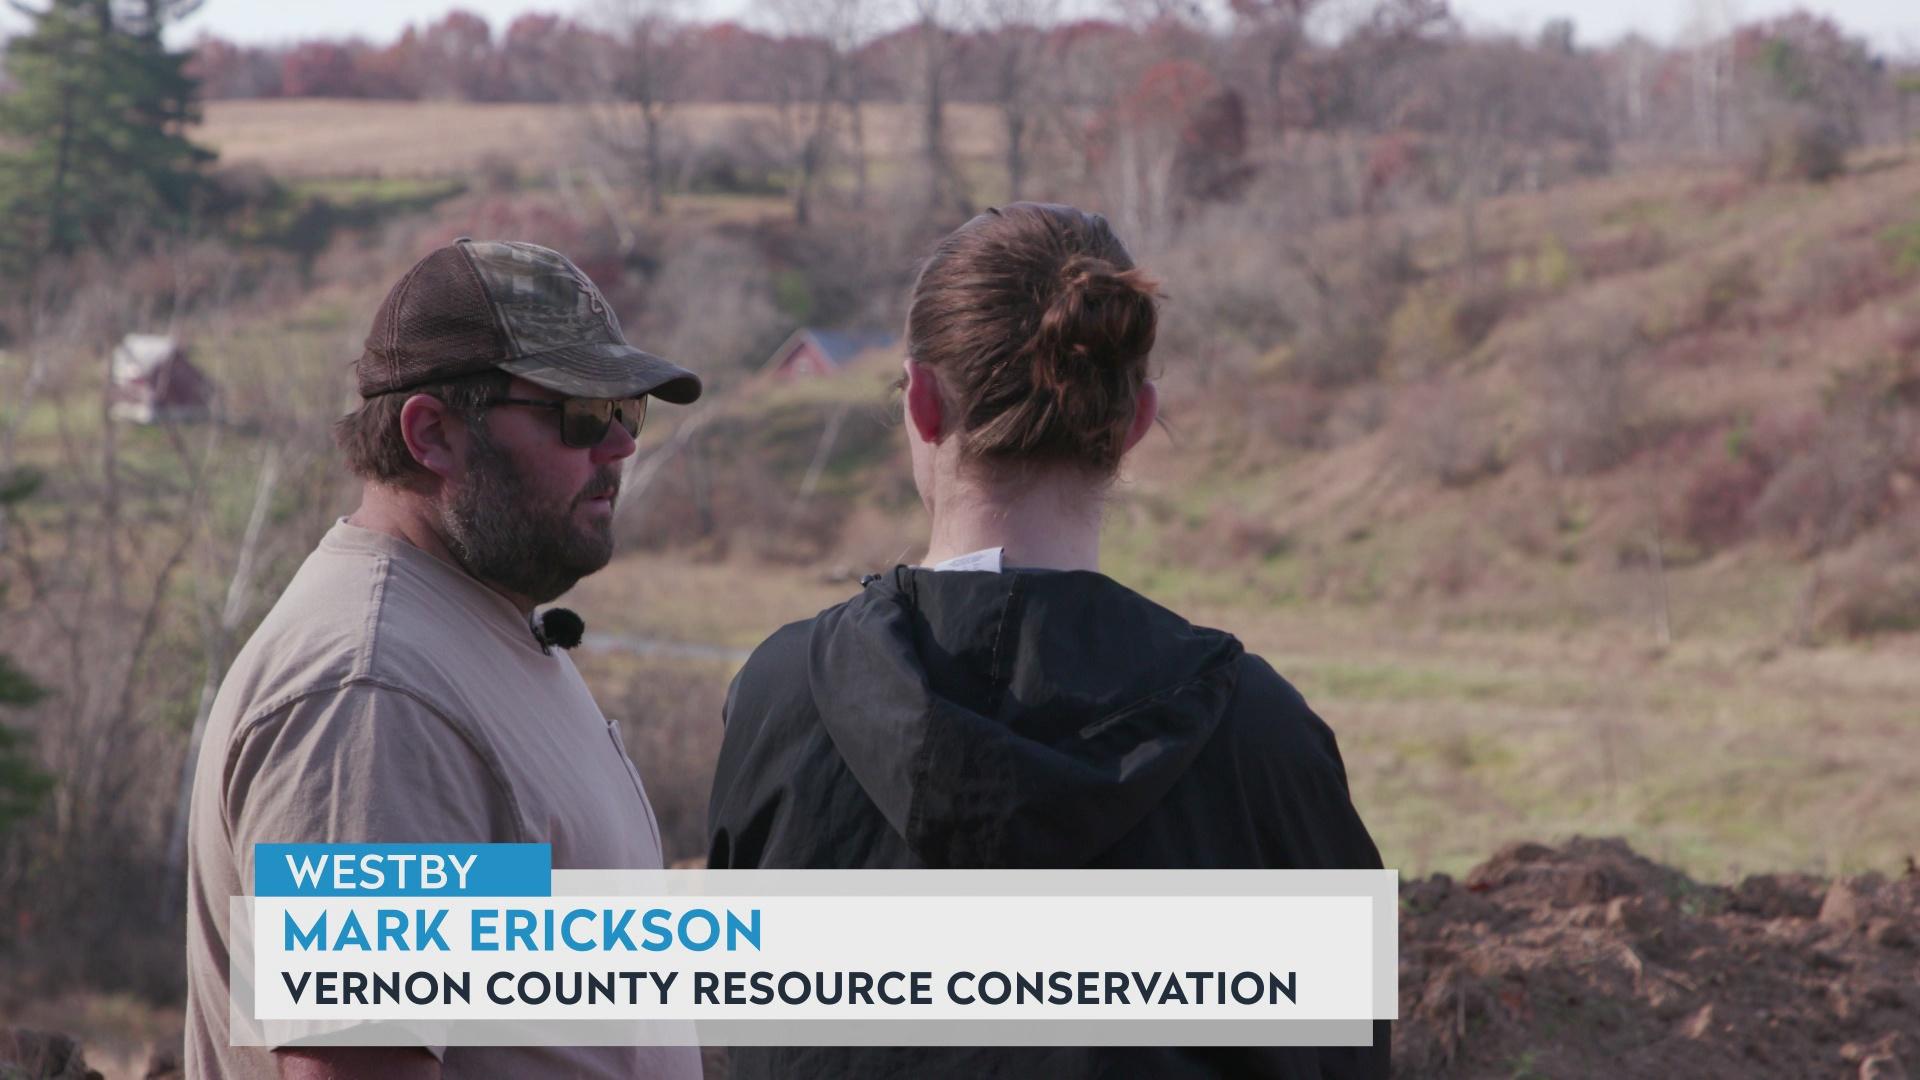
(1145, 144)
(318, 69)
(1804, 88)
(540, 57)
(455, 59)
(392, 73)
(729, 62)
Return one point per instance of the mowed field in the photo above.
(319, 138)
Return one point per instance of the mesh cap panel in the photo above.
(474, 306)
(437, 323)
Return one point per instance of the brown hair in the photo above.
(370, 436)
(1039, 326)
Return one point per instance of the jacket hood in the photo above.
(1018, 719)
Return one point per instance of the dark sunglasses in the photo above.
(585, 421)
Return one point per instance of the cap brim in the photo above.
(607, 371)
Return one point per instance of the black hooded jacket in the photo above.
(1026, 719)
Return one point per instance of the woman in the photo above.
(1007, 705)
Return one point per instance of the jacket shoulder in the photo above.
(776, 669)
(1290, 757)
(1270, 713)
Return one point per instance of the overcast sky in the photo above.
(1892, 26)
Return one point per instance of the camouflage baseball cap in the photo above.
(478, 305)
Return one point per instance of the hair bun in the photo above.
(1040, 326)
(1099, 314)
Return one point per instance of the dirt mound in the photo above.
(41, 1055)
(1589, 960)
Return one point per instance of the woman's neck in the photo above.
(1050, 522)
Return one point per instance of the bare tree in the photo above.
(220, 632)
(813, 73)
(637, 78)
(1015, 43)
(936, 52)
(116, 561)
(1355, 93)
(1710, 26)
(1276, 32)
(856, 88)
(100, 572)
(1500, 106)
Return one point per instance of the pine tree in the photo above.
(22, 784)
(95, 128)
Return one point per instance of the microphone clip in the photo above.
(557, 627)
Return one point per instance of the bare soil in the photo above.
(1589, 960)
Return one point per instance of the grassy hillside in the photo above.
(1610, 532)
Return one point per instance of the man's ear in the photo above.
(1146, 409)
(434, 435)
(925, 410)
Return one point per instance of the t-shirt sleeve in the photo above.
(361, 764)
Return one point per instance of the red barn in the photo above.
(809, 351)
(155, 383)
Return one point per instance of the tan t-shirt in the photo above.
(389, 697)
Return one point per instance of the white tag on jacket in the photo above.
(987, 559)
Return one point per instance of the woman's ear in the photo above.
(925, 411)
(1146, 409)
(432, 436)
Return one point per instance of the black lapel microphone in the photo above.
(557, 627)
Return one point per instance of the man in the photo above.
(401, 690)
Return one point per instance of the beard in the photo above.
(528, 542)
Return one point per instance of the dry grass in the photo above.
(1717, 756)
(312, 138)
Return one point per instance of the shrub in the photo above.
(1904, 240)
(1434, 326)
(1876, 590)
(1420, 336)
(736, 158)
(1796, 143)
(498, 173)
(1833, 279)
(1887, 601)
(1292, 415)
(1347, 352)
(669, 715)
(1447, 435)
(1357, 413)
(1588, 401)
(1549, 268)
(1726, 286)
(1242, 537)
(1477, 313)
(1638, 248)
(1718, 498)
(1842, 481)
(713, 303)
